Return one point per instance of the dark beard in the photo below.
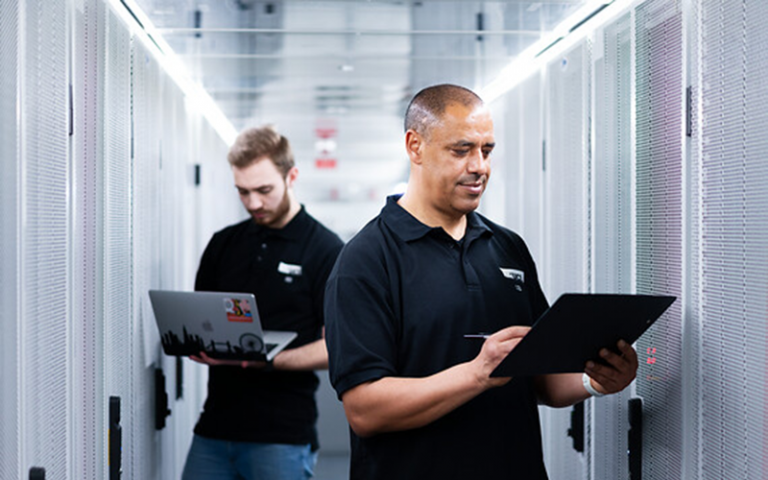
(276, 216)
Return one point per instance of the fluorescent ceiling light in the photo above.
(571, 30)
(196, 96)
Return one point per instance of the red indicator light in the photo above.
(651, 351)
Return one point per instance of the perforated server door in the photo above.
(513, 160)
(143, 356)
(567, 227)
(9, 241)
(532, 167)
(567, 174)
(612, 221)
(173, 150)
(733, 288)
(117, 232)
(659, 228)
(45, 222)
(89, 409)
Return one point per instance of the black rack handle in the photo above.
(115, 439)
(37, 473)
(635, 440)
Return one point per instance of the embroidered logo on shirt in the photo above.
(288, 269)
(512, 274)
(517, 276)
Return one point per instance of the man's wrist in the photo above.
(587, 381)
(269, 366)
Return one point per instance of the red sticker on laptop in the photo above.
(238, 310)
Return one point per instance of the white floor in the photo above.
(332, 466)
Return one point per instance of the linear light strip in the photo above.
(355, 32)
(567, 33)
(141, 26)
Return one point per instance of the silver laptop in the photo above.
(223, 325)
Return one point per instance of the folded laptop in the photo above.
(223, 325)
(575, 328)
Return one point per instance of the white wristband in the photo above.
(588, 386)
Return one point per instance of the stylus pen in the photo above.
(477, 335)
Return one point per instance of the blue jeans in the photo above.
(211, 459)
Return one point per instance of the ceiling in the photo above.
(336, 76)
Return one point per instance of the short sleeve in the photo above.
(206, 272)
(325, 261)
(361, 330)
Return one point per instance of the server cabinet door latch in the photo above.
(635, 440)
(576, 432)
(115, 439)
(161, 400)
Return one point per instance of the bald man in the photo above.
(403, 293)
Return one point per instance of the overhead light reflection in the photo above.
(566, 34)
(196, 96)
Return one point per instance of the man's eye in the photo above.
(460, 152)
(264, 191)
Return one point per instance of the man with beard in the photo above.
(406, 289)
(259, 419)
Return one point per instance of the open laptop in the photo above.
(575, 328)
(224, 325)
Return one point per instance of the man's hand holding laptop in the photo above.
(215, 362)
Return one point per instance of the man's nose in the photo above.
(478, 163)
(253, 202)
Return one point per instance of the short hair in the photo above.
(428, 106)
(254, 144)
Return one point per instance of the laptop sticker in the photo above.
(251, 343)
(238, 310)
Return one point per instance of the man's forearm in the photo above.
(394, 403)
(312, 356)
(560, 390)
(397, 403)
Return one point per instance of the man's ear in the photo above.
(291, 176)
(414, 145)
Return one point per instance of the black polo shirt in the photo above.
(286, 270)
(398, 302)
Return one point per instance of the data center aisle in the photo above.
(332, 466)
